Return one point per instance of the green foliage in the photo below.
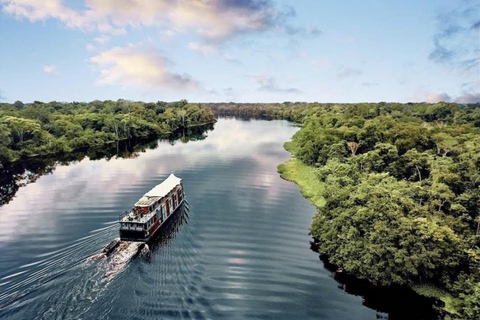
(54, 128)
(428, 290)
(398, 191)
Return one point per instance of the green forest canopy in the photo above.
(55, 128)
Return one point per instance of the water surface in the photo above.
(242, 252)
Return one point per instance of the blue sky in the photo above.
(240, 50)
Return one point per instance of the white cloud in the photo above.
(102, 39)
(203, 48)
(212, 19)
(138, 66)
(39, 10)
(469, 98)
(437, 97)
(443, 96)
(166, 35)
(50, 69)
(456, 39)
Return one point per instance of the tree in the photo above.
(182, 113)
(445, 143)
(478, 225)
(21, 127)
(416, 165)
(353, 146)
(6, 153)
(18, 105)
(114, 122)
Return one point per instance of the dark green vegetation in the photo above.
(398, 191)
(46, 129)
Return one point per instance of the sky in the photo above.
(240, 50)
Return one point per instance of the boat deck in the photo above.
(136, 217)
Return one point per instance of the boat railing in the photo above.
(123, 214)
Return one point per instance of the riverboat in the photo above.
(152, 210)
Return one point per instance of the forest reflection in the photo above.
(19, 174)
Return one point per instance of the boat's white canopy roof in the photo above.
(165, 187)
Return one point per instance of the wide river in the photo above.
(241, 252)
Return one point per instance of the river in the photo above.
(241, 252)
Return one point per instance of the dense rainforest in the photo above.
(55, 128)
(397, 188)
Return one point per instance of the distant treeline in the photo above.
(41, 129)
(297, 111)
(400, 191)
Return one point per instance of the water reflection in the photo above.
(389, 302)
(28, 171)
(170, 229)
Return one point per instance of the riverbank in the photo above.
(303, 175)
(311, 187)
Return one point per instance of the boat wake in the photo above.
(73, 261)
(121, 256)
(107, 264)
(117, 254)
(50, 265)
